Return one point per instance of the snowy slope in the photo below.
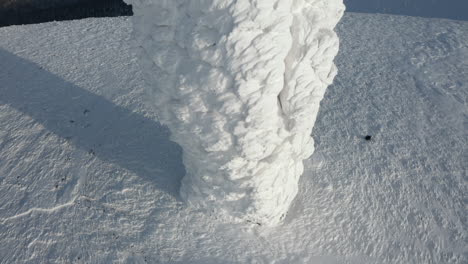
(87, 175)
(452, 9)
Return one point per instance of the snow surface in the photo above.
(452, 9)
(239, 85)
(87, 174)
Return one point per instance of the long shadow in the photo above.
(91, 122)
(451, 9)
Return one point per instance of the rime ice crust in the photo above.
(239, 84)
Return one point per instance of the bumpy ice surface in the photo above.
(239, 84)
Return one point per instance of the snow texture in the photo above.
(88, 175)
(452, 9)
(239, 84)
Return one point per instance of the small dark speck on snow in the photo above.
(257, 223)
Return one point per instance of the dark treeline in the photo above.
(22, 12)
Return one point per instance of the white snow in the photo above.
(104, 188)
(452, 9)
(239, 85)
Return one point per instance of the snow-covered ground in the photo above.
(87, 174)
(453, 9)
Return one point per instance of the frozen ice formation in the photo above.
(239, 83)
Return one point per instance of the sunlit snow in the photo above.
(88, 174)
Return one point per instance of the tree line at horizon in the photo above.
(39, 11)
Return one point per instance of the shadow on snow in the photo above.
(91, 122)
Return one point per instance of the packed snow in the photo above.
(453, 9)
(239, 85)
(88, 174)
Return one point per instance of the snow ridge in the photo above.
(239, 84)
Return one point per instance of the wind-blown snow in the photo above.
(239, 85)
(452, 9)
(87, 174)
